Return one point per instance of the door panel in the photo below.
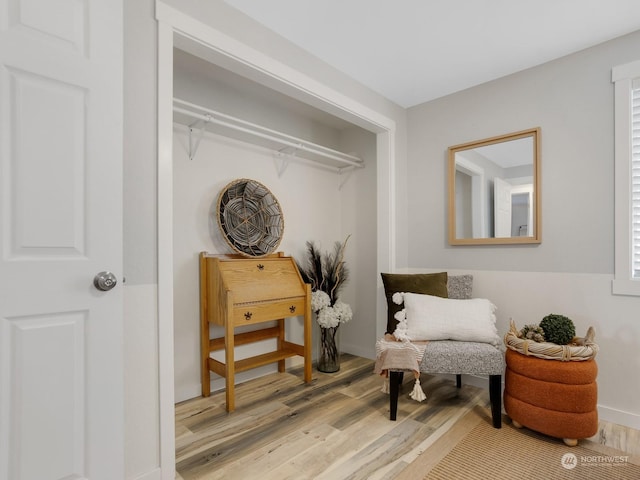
(48, 201)
(61, 353)
(60, 22)
(48, 383)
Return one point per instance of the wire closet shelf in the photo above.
(199, 119)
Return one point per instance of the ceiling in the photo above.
(413, 51)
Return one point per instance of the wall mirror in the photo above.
(494, 190)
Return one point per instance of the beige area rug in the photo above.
(474, 450)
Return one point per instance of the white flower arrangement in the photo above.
(343, 311)
(319, 300)
(333, 316)
(328, 315)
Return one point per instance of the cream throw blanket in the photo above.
(392, 354)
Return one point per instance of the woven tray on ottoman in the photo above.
(554, 397)
(580, 349)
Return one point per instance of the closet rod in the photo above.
(210, 116)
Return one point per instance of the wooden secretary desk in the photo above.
(236, 290)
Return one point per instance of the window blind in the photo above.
(635, 178)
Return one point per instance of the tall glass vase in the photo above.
(329, 352)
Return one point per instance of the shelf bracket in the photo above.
(196, 130)
(345, 176)
(281, 165)
(282, 159)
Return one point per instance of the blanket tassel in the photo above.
(385, 385)
(418, 394)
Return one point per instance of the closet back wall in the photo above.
(314, 208)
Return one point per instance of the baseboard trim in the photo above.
(619, 417)
(155, 474)
(605, 413)
(359, 351)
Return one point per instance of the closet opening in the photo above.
(227, 127)
(180, 36)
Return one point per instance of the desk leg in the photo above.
(205, 373)
(281, 363)
(229, 366)
(205, 350)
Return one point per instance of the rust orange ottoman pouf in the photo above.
(554, 397)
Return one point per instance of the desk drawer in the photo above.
(262, 312)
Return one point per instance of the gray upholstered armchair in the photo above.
(443, 355)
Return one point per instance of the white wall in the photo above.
(571, 99)
(142, 409)
(142, 429)
(359, 335)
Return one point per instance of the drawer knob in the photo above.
(248, 315)
(292, 308)
(260, 266)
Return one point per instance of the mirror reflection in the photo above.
(494, 196)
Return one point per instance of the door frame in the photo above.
(176, 28)
(478, 196)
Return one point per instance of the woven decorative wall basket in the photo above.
(250, 218)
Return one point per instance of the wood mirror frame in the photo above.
(484, 172)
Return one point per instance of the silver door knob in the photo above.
(105, 281)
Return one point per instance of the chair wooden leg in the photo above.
(458, 380)
(495, 385)
(395, 380)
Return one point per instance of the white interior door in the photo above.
(502, 207)
(61, 353)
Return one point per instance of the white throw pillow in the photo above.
(426, 317)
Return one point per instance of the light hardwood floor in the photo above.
(336, 427)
